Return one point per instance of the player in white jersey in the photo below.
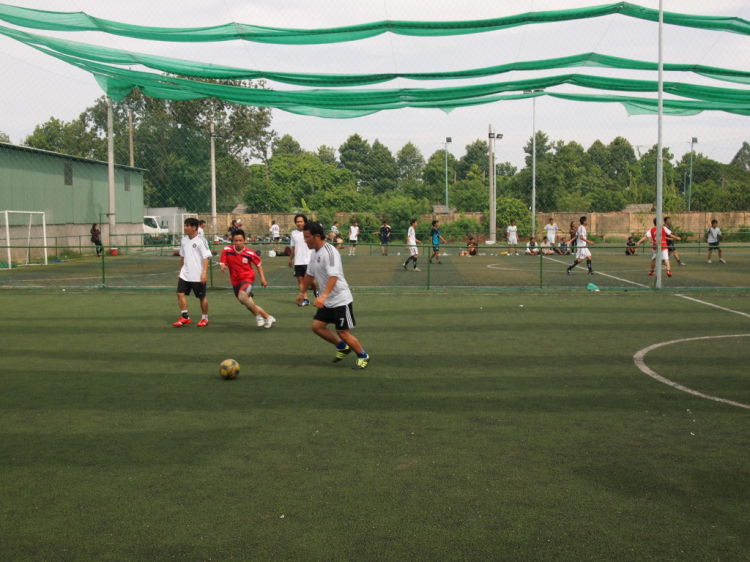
(582, 253)
(353, 237)
(300, 256)
(511, 234)
(411, 245)
(194, 259)
(335, 301)
(551, 229)
(713, 236)
(275, 234)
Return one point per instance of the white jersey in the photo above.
(274, 230)
(581, 234)
(200, 231)
(411, 237)
(301, 251)
(551, 232)
(512, 234)
(353, 232)
(713, 235)
(194, 251)
(326, 263)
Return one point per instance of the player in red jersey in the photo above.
(240, 260)
(659, 254)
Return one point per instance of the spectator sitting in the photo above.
(471, 248)
(531, 248)
(546, 247)
(630, 247)
(562, 249)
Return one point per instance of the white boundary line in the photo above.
(604, 274)
(714, 305)
(638, 359)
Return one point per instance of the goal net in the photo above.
(23, 238)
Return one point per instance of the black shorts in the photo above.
(342, 316)
(713, 245)
(384, 242)
(353, 242)
(436, 248)
(245, 286)
(300, 270)
(198, 288)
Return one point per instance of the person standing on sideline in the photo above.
(335, 236)
(300, 256)
(201, 223)
(96, 238)
(670, 241)
(436, 240)
(411, 245)
(661, 254)
(353, 236)
(275, 235)
(551, 229)
(385, 237)
(573, 233)
(582, 252)
(714, 233)
(194, 259)
(511, 235)
(230, 231)
(240, 261)
(335, 301)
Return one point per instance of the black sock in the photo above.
(588, 264)
(185, 315)
(575, 263)
(415, 263)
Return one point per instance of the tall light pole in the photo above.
(447, 140)
(493, 186)
(533, 160)
(690, 190)
(213, 180)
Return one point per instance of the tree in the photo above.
(477, 154)
(543, 148)
(410, 162)
(434, 175)
(73, 138)
(287, 145)
(353, 155)
(741, 160)
(381, 171)
(4, 137)
(470, 194)
(264, 196)
(327, 155)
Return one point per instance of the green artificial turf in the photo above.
(488, 426)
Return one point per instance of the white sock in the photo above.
(205, 317)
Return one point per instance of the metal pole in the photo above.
(130, 128)
(690, 190)
(533, 168)
(493, 190)
(213, 180)
(111, 168)
(659, 156)
(446, 176)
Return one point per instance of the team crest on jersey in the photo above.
(195, 245)
(244, 260)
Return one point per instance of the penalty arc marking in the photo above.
(639, 362)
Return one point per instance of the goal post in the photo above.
(23, 238)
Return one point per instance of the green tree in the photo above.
(73, 138)
(327, 155)
(741, 160)
(434, 175)
(410, 162)
(381, 169)
(353, 156)
(470, 194)
(477, 154)
(287, 145)
(509, 208)
(264, 196)
(4, 137)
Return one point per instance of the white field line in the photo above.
(639, 362)
(601, 273)
(714, 305)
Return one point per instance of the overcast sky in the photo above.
(35, 87)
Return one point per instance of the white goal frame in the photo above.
(9, 246)
(178, 221)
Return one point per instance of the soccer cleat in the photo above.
(317, 294)
(341, 353)
(568, 272)
(417, 269)
(709, 261)
(403, 265)
(305, 303)
(722, 260)
(592, 272)
(651, 273)
(181, 322)
(681, 262)
(441, 263)
(362, 363)
(203, 323)
(269, 322)
(260, 321)
(669, 274)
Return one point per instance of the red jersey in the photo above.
(664, 232)
(240, 264)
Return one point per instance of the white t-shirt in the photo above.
(512, 234)
(713, 235)
(200, 231)
(194, 251)
(326, 263)
(531, 247)
(353, 232)
(581, 233)
(411, 236)
(301, 251)
(551, 232)
(274, 230)
(335, 231)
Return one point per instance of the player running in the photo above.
(194, 258)
(582, 252)
(666, 235)
(240, 261)
(335, 301)
(300, 255)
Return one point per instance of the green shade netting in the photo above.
(212, 71)
(80, 21)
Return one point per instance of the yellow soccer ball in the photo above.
(229, 369)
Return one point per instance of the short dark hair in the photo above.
(314, 227)
(304, 218)
(666, 219)
(434, 222)
(385, 221)
(583, 220)
(192, 221)
(201, 221)
(412, 221)
(714, 221)
(240, 232)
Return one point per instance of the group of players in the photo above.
(317, 266)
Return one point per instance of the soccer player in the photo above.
(630, 247)
(436, 239)
(385, 237)
(300, 256)
(551, 229)
(471, 248)
(201, 224)
(511, 235)
(670, 242)
(240, 261)
(531, 248)
(194, 259)
(411, 241)
(714, 233)
(665, 235)
(335, 236)
(335, 301)
(353, 235)
(546, 247)
(275, 234)
(582, 251)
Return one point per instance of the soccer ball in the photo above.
(229, 369)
